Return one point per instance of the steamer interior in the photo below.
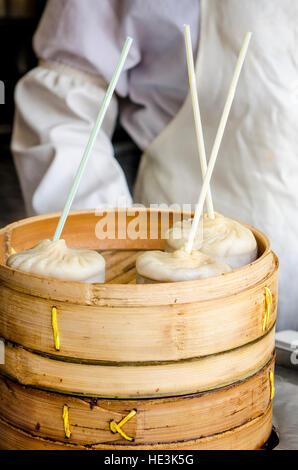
(120, 252)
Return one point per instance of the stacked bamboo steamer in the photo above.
(185, 365)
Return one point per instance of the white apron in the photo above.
(256, 174)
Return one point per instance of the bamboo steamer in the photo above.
(156, 420)
(185, 320)
(249, 436)
(135, 380)
(125, 341)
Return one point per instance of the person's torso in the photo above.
(154, 82)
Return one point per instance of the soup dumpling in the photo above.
(162, 266)
(223, 238)
(55, 260)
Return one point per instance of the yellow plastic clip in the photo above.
(268, 303)
(272, 389)
(55, 329)
(116, 427)
(12, 251)
(66, 421)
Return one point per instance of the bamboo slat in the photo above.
(249, 436)
(120, 265)
(158, 420)
(137, 380)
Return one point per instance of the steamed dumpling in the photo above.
(56, 260)
(177, 236)
(223, 238)
(161, 266)
(228, 240)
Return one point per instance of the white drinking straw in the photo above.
(197, 115)
(216, 145)
(92, 138)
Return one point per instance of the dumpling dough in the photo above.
(56, 260)
(228, 240)
(224, 239)
(177, 236)
(161, 266)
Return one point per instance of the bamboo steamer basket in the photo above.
(156, 420)
(141, 343)
(135, 380)
(249, 436)
(131, 341)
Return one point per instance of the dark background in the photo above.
(18, 22)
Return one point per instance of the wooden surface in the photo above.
(163, 419)
(137, 380)
(251, 435)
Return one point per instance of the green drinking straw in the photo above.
(92, 138)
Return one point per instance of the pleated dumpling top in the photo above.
(223, 238)
(55, 260)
